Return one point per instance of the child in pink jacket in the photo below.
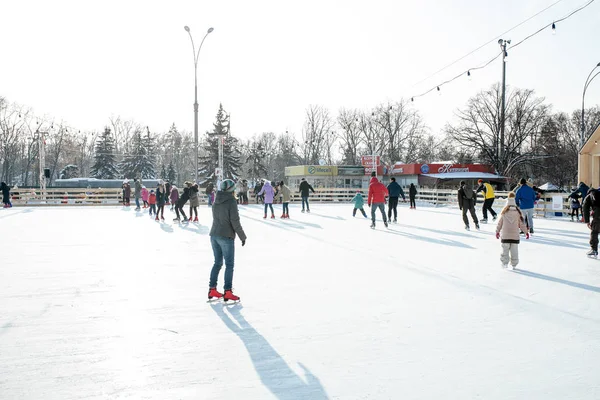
(145, 195)
(508, 229)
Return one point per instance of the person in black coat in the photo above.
(182, 200)
(412, 194)
(592, 203)
(5, 194)
(304, 188)
(466, 202)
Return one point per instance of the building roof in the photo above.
(465, 175)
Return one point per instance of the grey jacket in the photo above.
(226, 218)
(138, 189)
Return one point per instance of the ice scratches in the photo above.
(167, 330)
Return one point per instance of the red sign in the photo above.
(417, 169)
(367, 161)
(381, 170)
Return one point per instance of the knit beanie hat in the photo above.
(511, 199)
(227, 185)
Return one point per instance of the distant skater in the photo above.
(268, 193)
(508, 228)
(466, 202)
(286, 195)
(161, 199)
(174, 196)
(376, 200)
(185, 196)
(359, 203)
(591, 207)
(5, 195)
(137, 193)
(488, 199)
(412, 195)
(395, 191)
(152, 203)
(304, 188)
(145, 195)
(194, 202)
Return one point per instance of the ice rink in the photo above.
(106, 303)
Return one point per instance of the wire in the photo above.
(498, 55)
(486, 43)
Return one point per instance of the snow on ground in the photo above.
(106, 303)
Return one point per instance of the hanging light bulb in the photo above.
(553, 28)
(439, 92)
(469, 75)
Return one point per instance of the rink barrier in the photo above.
(112, 197)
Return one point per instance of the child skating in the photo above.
(509, 226)
(145, 195)
(152, 203)
(359, 203)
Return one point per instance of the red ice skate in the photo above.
(272, 216)
(265, 216)
(287, 216)
(162, 217)
(214, 293)
(229, 296)
(282, 216)
(196, 219)
(156, 219)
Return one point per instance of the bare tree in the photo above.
(350, 136)
(478, 127)
(317, 126)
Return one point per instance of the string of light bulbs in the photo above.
(468, 71)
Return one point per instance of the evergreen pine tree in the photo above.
(163, 172)
(256, 168)
(140, 162)
(105, 165)
(231, 154)
(171, 174)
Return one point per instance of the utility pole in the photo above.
(502, 44)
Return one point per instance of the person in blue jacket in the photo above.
(525, 200)
(359, 203)
(580, 193)
(395, 192)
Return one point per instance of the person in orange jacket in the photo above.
(376, 200)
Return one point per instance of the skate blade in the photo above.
(231, 302)
(215, 300)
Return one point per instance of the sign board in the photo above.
(348, 170)
(380, 170)
(321, 170)
(417, 169)
(557, 203)
(218, 172)
(367, 161)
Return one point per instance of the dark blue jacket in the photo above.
(395, 190)
(580, 192)
(525, 197)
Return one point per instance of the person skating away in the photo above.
(5, 195)
(466, 203)
(194, 202)
(508, 228)
(137, 193)
(244, 192)
(209, 192)
(591, 209)
(376, 200)
(226, 224)
(174, 196)
(168, 187)
(359, 203)
(185, 196)
(161, 199)
(268, 193)
(489, 196)
(126, 193)
(575, 206)
(412, 195)
(286, 195)
(525, 197)
(395, 191)
(145, 195)
(152, 203)
(257, 188)
(304, 192)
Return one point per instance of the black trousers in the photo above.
(393, 205)
(413, 203)
(179, 209)
(487, 205)
(471, 210)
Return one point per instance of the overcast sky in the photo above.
(267, 61)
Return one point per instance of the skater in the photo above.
(5, 195)
(591, 205)
(488, 196)
(145, 196)
(304, 188)
(466, 202)
(507, 230)
(376, 200)
(257, 188)
(168, 187)
(152, 203)
(575, 206)
(244, 192)
(194, 201)
(525, 199)
(226, 224)
(268, 193)
(208, 191)
(359, 203)
(161, 199)
(285, 193)
(580, 193)
(126, 192)
(137, 193)
(395, 192)
(174, 196)
(412, 194)
(181, 202)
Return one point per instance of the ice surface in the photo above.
(104, 302)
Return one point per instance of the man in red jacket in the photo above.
(377, 194)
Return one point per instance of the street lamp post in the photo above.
(503, 44)
(196, 55)
(589, 80)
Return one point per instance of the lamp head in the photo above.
(598, 65)
(500, 42)
(210, 30)
(187, 28)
